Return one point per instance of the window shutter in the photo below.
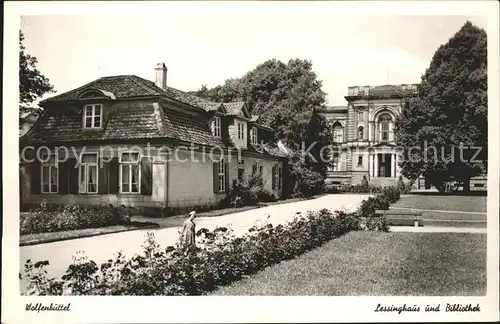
(254, 169)
(35, 177)
(280, 177)
(72, 176)
(226, 176)
(274, 177)
(63, 177)
(261, 170)
(146, 176)
(216, 176)
(103, 184)
(113, 176)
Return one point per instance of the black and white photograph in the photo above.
(343, 150)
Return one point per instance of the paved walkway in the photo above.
(101, 248)
(436, 229)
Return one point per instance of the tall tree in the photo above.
(450, 112)
(32, 83)
(266, 86)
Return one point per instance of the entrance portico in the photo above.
(383, 164)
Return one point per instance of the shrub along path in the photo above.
(101, 248)
(48, 237)
(378, 264)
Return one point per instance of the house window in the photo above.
(217, 127)
(338, 134)
(335, 162)
(361, 132)
(92, 116)
(256, 167)
(241, 131)
(50, 178)
(360, 161)
(88, 177)
(385, 127)
(130, 172)
(253, 135)
(222, 176)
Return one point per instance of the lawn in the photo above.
(444, 202)
(378, 264)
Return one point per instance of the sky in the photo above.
(205, 48)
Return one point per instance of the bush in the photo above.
(248, 193)
(403, 187)
(70, 217)
(361, 188)
(306, 183)
(364, 182)
(266, 196)
(366, 212)
(392, 194)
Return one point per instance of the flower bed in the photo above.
(70, 217)
(219, 259)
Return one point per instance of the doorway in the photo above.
(385, 162)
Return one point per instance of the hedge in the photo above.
(70, 217)
(219, 259)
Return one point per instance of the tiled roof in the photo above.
(255, 118)
(190, 99)
(132, 86)
(121, 86)
(187, 128)
(267, 148)
(234, 108)
(29, 113)
(135, 121)
(274, 150)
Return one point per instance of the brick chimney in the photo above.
(161, 75)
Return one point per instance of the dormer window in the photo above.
(253, 135)
(92, 116)
(217, 127)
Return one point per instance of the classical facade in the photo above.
(364, 134)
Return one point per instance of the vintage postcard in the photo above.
(250, 162)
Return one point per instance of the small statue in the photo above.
(188, 233)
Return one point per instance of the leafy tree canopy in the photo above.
(450, 109)
(32, 83)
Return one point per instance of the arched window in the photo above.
(338, 133)
(361, 132)
(385, 124)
